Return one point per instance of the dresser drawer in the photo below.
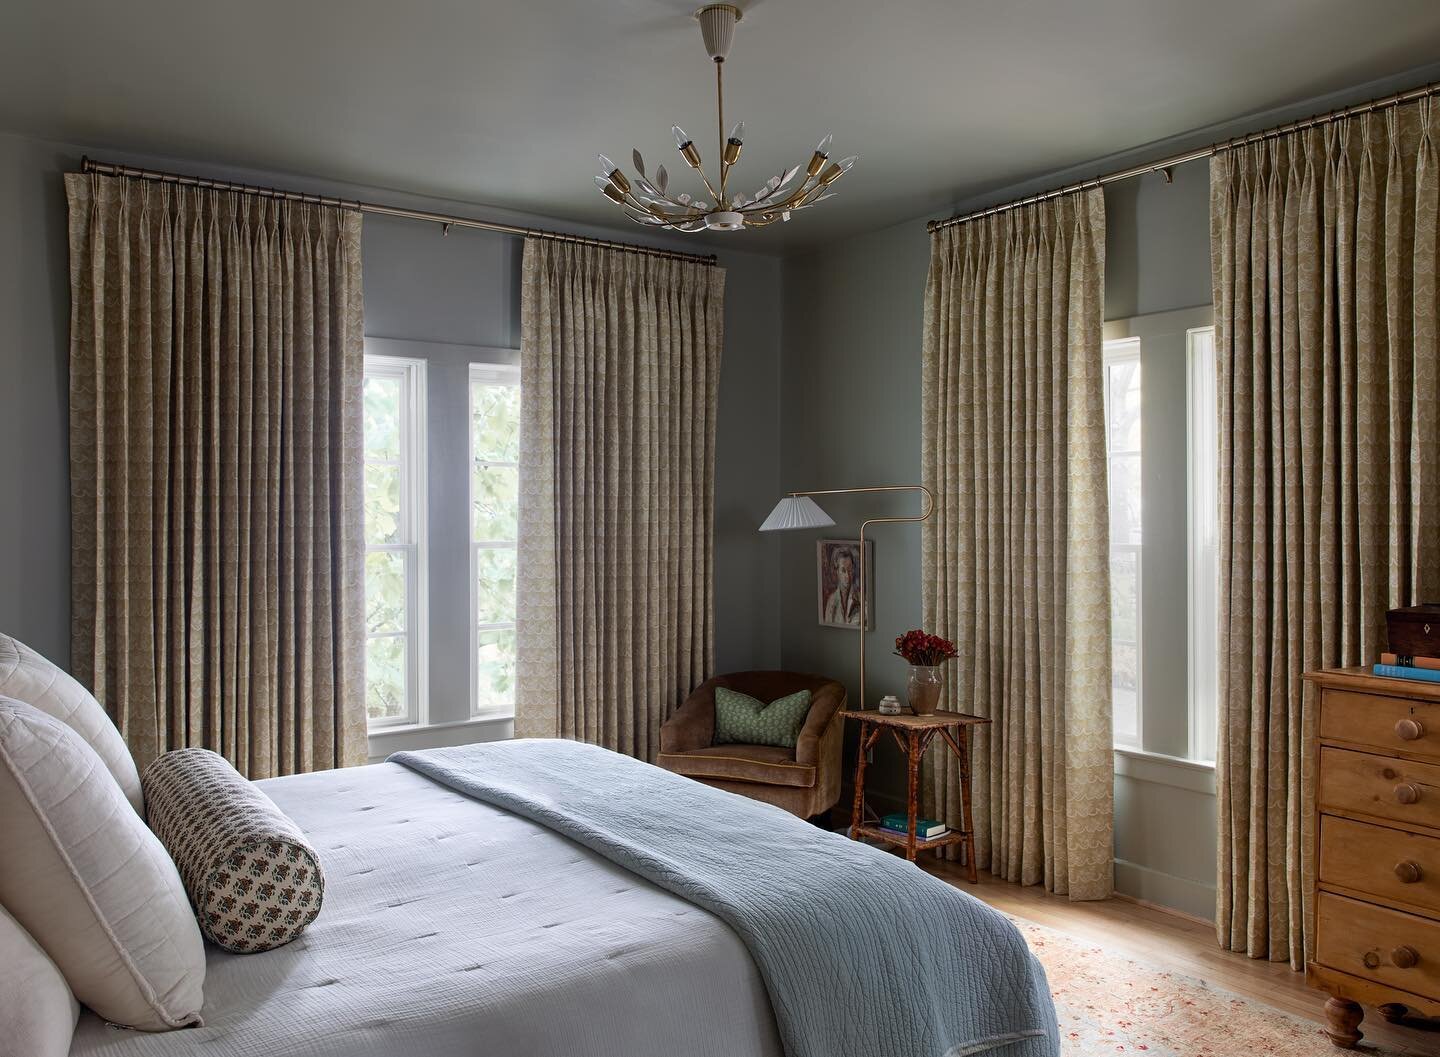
(1380, 785)
(1394, 724)
(1382, 862)
(1387, 946)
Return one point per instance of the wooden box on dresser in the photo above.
(1377, 904)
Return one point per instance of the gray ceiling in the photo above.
(507, 104)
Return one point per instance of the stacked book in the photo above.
(1401, 666)
(925, 828)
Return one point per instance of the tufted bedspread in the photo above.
(863, 955)
(451, 927)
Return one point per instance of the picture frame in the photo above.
(837, 573)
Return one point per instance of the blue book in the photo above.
(925, 828)
(1400, 671)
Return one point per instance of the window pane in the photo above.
(1125, 596)
(494, 585)
(385, 677)
(1125, 499)
(1125, 663)
(495, 663)
(495, 425)
(382, 418)
(384, 591)
(382, 503)
(496, 492)
(1124, 409)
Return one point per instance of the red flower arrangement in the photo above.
(917, 647)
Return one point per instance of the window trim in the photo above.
(1126, 350)
(492, 374)
(1203, 702)
(414, 508)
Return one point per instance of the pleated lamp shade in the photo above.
(796, 512)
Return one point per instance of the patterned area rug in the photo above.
(1110, 1004)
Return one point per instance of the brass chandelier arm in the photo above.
(924, 515)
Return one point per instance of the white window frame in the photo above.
(414, 544)
(489, 374)
(1125, 350)
(1203, 540)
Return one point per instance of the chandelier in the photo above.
(650, 202)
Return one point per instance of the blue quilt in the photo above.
(863, 954)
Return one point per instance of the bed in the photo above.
(456, 926)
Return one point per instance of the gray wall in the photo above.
(419, 285)
(850, 415)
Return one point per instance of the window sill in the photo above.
(1196, 776)
(492, 727)
(412, 728)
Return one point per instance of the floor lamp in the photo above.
(799, 511)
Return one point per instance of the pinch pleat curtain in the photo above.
(620, 363)
(1016, 556)
(215, 462)
(1323, 255)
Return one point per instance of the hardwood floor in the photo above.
(1180, 944)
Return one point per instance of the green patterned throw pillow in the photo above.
(741, 718)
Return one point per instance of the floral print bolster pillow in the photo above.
(252, 877)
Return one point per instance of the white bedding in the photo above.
(453, 928)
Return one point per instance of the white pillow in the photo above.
(29, 677)
(43, 1022)
(89, 881)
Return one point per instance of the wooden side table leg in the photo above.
(1342, 1022)
(912, 798)
(965, 820)
(857, 813)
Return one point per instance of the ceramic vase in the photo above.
(923, 688)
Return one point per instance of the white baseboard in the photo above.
(1193, 899)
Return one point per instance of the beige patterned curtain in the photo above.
(620, 362)
(1323, 254)
(1016, 557)
(215, 370)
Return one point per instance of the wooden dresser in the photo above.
(1377, 904)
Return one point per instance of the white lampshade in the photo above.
(796, 512)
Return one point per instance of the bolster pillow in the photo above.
(252, 877)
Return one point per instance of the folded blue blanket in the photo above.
(863, 955)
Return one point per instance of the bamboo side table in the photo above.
(914, 734)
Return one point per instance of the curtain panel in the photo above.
(215, 439)
(1323, 257)
(1016, 556)
(620, 361)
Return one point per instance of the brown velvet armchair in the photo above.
(804, 781)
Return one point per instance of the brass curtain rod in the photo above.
(445, 220)
(1164, 165)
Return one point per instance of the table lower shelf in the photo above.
(955, 836)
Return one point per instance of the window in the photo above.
(1122, 447)
(1204, 540)
(494, 518)
(395, 552)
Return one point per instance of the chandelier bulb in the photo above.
(823, 147)
(737, 134)
(681, 140)
(606, 166)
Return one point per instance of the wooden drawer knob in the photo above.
(1409, 730)
(1405, 957)
(1407, 793)
(1408, 872)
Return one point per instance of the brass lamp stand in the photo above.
(797, 510)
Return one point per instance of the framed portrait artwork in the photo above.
(837, 576)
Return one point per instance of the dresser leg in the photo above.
(1343, 1018)
(1394, 1012)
